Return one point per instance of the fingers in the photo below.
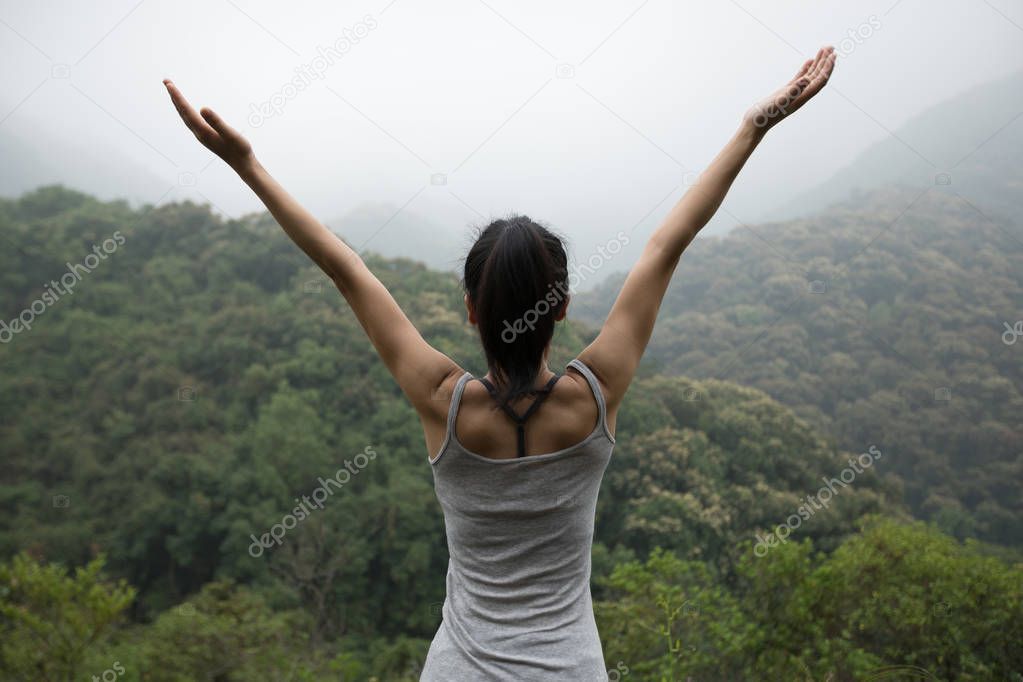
(817, 74)
(824, 57)
(220, 125)
(193, 120)
(823, 70)
(802, 71)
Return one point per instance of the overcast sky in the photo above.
(585, 115)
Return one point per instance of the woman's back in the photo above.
(566, 417)
(520, 531)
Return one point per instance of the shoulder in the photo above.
(593, 366)
(442, 389)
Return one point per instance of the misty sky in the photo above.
(471, 89)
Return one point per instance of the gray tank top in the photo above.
(520, 534)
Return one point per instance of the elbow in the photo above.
(344, 271)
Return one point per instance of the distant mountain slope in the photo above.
(879, 321)
(436, 238)
(31, 160)
(974, 139)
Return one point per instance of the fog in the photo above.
(589, 117)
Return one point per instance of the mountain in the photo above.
(876, 308)
(195, 378)
(213, 343)
(33, 159)
(879, 321)
(968, 144)
(435, 236)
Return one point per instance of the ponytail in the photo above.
(516, 278)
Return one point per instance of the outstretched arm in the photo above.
(418, 368)
(616, 352)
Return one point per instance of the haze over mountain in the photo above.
(478, 95)
(968, 144)
(34, 158)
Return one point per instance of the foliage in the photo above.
(881, 322)
(51, 617)
(203, 380)
(895, 597)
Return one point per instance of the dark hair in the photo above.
(516, 278)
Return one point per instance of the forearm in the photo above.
(325, 248)
(701, 202)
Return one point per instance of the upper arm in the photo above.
(617, 350)
(615, 354)
(419, 368)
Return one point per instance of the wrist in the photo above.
(750, 132)
(247, 167)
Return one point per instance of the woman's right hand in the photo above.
(213, 132)
(810, 80)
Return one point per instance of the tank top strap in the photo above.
(456, 400)
(598, 393)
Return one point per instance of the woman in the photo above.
(518, 455)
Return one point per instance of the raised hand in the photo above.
(212, 131)
(810, 80)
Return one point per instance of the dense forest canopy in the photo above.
(171, 402)
(889, 317)
(875, 324)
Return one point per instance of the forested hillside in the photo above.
(878, 321)
(180, 382)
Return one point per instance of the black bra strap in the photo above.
(520, 420)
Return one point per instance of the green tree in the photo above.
(51, 618)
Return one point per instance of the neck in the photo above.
(542, 376)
